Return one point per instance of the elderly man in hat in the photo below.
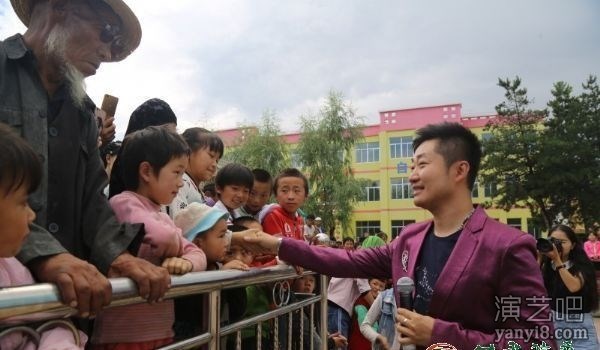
(42, 96)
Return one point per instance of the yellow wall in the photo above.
(386, 209)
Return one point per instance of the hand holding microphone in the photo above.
(413, 328)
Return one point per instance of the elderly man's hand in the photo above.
(81, 285)
(256, 242)
(152, 281)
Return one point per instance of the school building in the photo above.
(383, 157)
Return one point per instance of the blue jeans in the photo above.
(338, 320)
(576, 325)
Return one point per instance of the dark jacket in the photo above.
(71, 212)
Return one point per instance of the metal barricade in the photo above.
(40, 302)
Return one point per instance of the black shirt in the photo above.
(432, 259)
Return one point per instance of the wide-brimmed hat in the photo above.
(198, 218)
(131, 30)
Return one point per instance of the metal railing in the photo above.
(40, 302)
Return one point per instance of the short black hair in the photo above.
(290, 172)
(199, 138)
(110, 149)
(348, 239)
(156, 145)
(153, 112)
(209, 187)
(456, 142)
(310, 217)
(234, 174)
(243, 221)
(19, 164)
(261, 175)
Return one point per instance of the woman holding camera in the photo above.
(570, 279)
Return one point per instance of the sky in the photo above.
(222, 64)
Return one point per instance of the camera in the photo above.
(545, 245)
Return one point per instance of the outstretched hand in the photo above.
(256, 242)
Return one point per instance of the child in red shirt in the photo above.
(291, 189)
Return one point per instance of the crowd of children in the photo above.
(156, 180)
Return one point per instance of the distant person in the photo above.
(309, 227)
(319, 225)
(592, 245)
(570, 279)
(210, 194)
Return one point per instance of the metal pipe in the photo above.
(44, 301)
(324, 334)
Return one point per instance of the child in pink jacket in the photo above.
(153, 161)
(20, 174)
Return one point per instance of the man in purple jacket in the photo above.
(476, 280)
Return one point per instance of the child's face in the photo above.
(376, 287)
(213, 242)
(258, 197)
(15, 217)
(238, 253)
(290, 193)
(304, 284)
(203, 164)
(233, 196)
(348, 245)
(163, 188)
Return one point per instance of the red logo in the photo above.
(441, 346)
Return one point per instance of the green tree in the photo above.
(572, 151)
(324, 150)
(512, 155)
(261, 147)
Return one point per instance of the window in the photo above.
(534, 228)
(363, 228)
(400, 188)
(372, 192)
(367, 152)
(475, 190)
(489, 190)
(514, 222)
(401, 147)
(398, 225)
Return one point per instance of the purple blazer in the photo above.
(490, 291)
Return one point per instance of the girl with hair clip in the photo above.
(570, 280)
(206, 151)
(153, 161)
(20, 175)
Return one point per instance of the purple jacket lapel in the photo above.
(457, 262)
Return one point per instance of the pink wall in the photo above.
(394, 120)
(414, 118)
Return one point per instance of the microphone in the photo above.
(405, 287)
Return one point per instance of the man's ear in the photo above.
(462, 170)
(145, 171)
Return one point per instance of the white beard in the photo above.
(55, 48)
